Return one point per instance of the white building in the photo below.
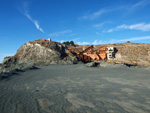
(110, 53)
(49, 39)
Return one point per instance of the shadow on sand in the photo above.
(16, 72)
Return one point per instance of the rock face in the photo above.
(38, 53)
(133, 53)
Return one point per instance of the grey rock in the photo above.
(53, 63)
(105, 64)
(37, 53)
(71, 60)
(91, 64)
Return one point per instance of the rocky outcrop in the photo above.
(133, 53)
(38, 53)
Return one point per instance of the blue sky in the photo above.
(83, 21)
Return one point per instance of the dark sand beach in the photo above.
(76, 89)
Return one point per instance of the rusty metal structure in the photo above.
(86, 55)
(102, 52)
(89, 54)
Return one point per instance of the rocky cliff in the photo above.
(38, 53)
(132, 53)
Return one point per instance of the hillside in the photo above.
(38, 53)
(128, 53)
(132, 53)
(44, 52)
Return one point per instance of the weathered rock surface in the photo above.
(110, 65)
(91, 64)
(131, 53)
(38, 53)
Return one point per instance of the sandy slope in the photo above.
(76, 89)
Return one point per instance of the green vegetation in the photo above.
(69, 43)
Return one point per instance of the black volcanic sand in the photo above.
(76, 89)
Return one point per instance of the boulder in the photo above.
(106, 64)
(91, 64)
